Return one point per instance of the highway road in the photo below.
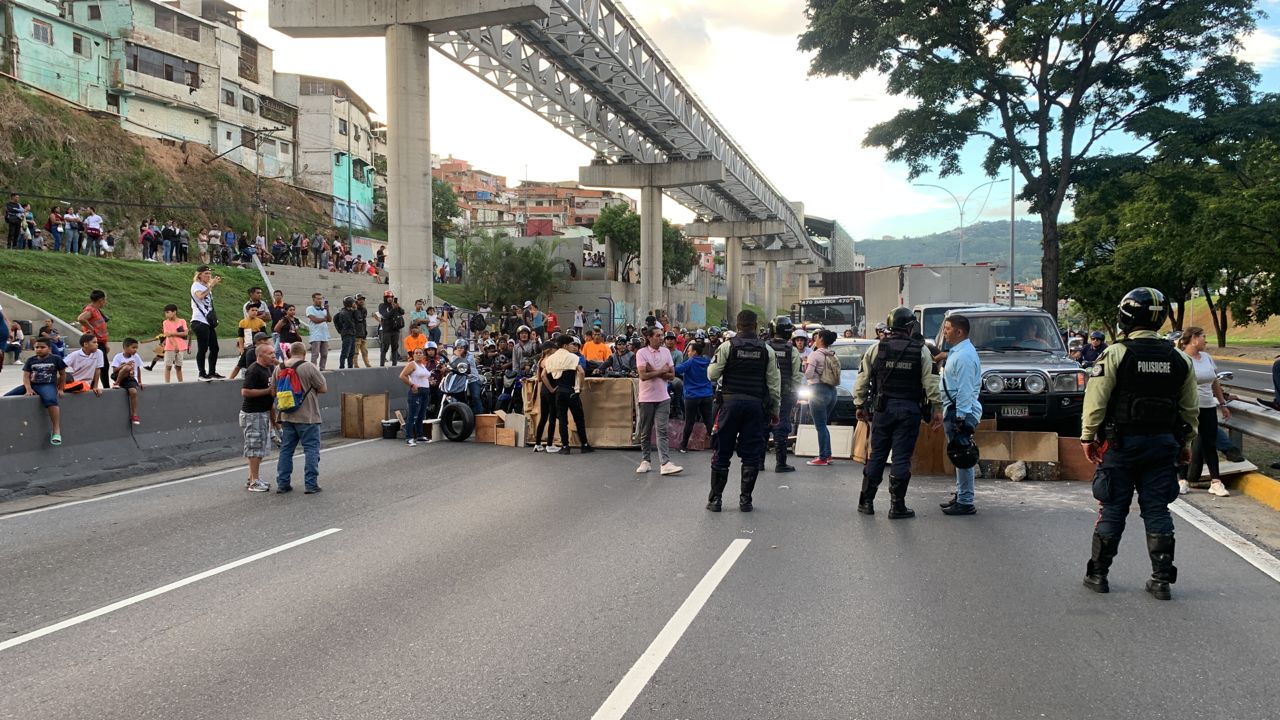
(1251, 377)
(467, 581)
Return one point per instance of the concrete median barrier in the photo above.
(182, 425)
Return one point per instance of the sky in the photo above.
(805, 134)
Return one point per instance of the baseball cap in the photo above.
(528, 303)
(259, 337)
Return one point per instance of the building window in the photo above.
(247, 103)
(285, 148)
(228, 134)
(178, 24)
(162, 65)
(42, 32)
(229, 97)
(79, 45)
(95, 12)
(342, 127)
(248, 58)
(314, 87)
(248, 139)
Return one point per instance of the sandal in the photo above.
(55, 439)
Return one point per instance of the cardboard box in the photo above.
(362, 415)
(486, 425)
(505, 437)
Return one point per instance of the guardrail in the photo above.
(1251, 419)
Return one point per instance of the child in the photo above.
(175, 333)
(251, 325)
(127, 369)
(44, 375)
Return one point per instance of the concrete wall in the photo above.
(182, 426)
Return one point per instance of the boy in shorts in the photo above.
(126, 367)
(43, 376)
(175, 333)
(85, 367)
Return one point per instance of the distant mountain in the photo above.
(983, 242)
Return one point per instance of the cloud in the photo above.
(1262, 48)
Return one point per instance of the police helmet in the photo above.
(900, 318)
(782, 327)
(962, 451)
(1143, 308)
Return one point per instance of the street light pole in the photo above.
(960, 205)
(1012, 231)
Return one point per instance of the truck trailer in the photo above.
(913, 285)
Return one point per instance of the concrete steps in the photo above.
(298, 284)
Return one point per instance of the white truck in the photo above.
(915, 285)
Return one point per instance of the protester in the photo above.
(204, 322)
(94, 320)
(415, 340)
(417, 374)
(257, 412)
(596, 350)
(1204, 450)
(44, 375)
(653, 363)
(126, 367)
(565, 371)
(317, 325)
(546, 404)
(300, 424)
(698, 392)
(822, 374)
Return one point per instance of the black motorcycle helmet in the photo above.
(962, 451)
(782, 327)
(1142, 308)
(620, 340)
(900, 318)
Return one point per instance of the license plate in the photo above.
(1015, 411)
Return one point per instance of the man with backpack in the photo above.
(297, 384)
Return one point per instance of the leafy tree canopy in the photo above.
(621, 226)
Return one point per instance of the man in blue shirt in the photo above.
(961, 382)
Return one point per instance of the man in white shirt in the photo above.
(318, 324)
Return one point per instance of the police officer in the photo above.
(1140, 416)
(750, 393)
(790, 368)
(895, 379)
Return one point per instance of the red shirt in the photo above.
(97, 324)
(552, 322)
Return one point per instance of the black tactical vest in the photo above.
(1148, 387)
(782, 349)
(747, 368)
(896, 370)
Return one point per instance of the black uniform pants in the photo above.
(1143, 463)
(567, 401)
(741, 426)
(782, 430)
(896, 429)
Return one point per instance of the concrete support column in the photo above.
(804, 286)
(733, 278)
(770, 291)
(651, 280)
(409, 256)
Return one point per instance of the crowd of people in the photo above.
(64, 229)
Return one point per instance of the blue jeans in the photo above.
(72, 244)
(347, 356)
(309, 435)
(418, 400)
(477, 404)
(820, 404)
(168, 250)
(964, 478)
(275, 343)
(57, 239)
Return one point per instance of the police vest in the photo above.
(745, 372)
(896, 370)
(1148, 387)
(784, 351)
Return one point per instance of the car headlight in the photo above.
(993, 384)
(1035, 384)
(1069, 382)
(842, 391)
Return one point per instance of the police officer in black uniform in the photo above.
(1140, 417)
(896, 379)
(789, 369)
(750, 394)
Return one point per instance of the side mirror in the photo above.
(1226, 376)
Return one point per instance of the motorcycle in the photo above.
(512, 398)
(456, 419)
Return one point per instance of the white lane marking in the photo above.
(167, 483)
(1252, 554)
(638, 676)
(69, 622)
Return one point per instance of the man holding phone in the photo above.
(318, 324)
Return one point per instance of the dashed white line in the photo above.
(71, 622)
(1252, 554)
(629, 688)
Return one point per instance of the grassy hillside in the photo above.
(136, 291)
(51, 152)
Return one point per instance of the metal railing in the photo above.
(1249, 418)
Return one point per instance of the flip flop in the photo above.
(55, 439)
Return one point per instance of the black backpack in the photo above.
(478, 323)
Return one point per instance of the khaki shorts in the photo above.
(173, 358)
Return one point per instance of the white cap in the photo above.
(528, 303)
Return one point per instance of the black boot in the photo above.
(748, 484)
(1163, 573)
(867, 497)
(897, 499)
(1104, 551)
(948, 503)
(719, 478)
(782, 465)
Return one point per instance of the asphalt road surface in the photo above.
(465, 581)
(1254, 378)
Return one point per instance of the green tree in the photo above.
(444, 210)
(1041, 83)
(503, 274)
(620, 226)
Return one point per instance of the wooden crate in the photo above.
(505, 437)
(486, 425)
(362, 415)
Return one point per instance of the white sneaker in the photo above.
(552, 449)
(644, 467)
(410, 442)
(670, 468)
(539, 448)
(258, 486)
(1184, 487)
(1217, 488)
